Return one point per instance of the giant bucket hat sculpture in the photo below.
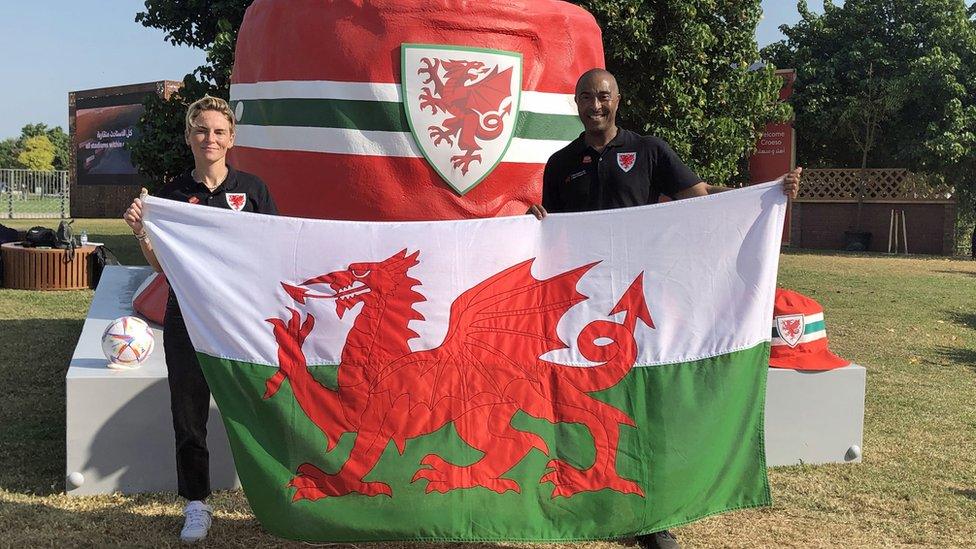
(800, 334)
(392, 110)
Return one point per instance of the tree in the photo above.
(38, 154)
(55, 135)
(61, 142)
(9, 153)
(684, 69)
(872, 105)
(683, 65)
(211, 26)
(160, 152)
(906, 68)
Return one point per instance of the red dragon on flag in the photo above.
(487, 369)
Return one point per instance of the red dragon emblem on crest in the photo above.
(236, 201)
(486, 370)
(792, 328)
(626, 160)
(476, 110)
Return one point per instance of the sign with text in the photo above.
(103, 126)
(775, 152)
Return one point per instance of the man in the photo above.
(609, 167)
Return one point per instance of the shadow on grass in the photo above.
(836, 253)
(867, 255)
(971, 494)
(966, 319)
(959, 355)
(960, 273)
(36, 354)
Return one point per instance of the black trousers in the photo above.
(190, 404)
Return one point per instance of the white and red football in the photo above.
(127, 342)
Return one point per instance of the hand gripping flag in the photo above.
(593, 375)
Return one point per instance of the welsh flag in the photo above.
(593, 375)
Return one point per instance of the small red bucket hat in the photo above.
(800, 335)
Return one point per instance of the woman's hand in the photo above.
(133, 215)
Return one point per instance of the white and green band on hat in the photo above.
(813, 329)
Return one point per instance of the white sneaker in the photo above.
(198, 519)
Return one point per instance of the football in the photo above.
(127, 342)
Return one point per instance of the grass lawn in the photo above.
(33, 207)
(910, 321)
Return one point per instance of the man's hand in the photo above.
(538, 211)
(791, 183)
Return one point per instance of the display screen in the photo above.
(103, 126)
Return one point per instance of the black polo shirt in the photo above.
(239, 191)
(632, 170)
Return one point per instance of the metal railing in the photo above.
(33, 194)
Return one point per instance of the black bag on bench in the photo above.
(40, 237)
(101, 257)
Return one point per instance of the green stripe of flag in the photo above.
(696, 449)
(381, 116)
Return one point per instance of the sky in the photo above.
(52, 47)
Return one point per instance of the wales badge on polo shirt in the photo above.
(626, 161)
(236, 201)
(461, 105)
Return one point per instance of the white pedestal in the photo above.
(120, 433)
(119, 428)
(814, 417)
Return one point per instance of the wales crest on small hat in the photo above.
(800, 334)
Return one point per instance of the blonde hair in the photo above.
(208, 103)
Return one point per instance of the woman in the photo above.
(212, 182)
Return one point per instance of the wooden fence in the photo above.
(883, 185)
(826, 208)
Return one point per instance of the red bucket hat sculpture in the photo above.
(800, 334)
(407, 109)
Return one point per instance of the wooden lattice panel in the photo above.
(883, 185)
